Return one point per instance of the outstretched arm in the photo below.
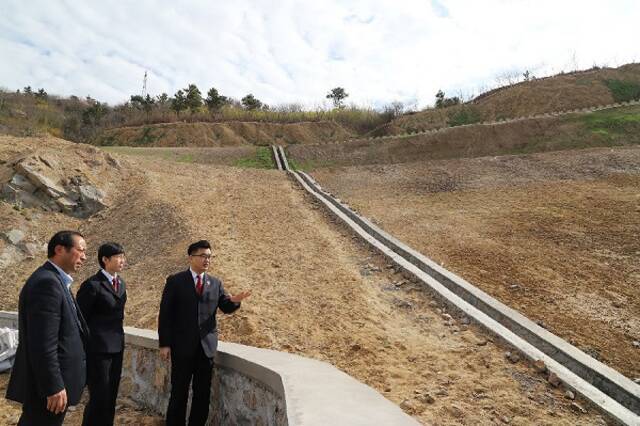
(229, 304)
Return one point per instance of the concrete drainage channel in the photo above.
(610, 391)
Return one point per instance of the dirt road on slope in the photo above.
(556, 236)
(316, 292)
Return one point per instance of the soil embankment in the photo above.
(316, 290)
(561, 92)
(615, 127)
(224, 134)
(555, 235)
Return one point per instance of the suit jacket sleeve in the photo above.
(166, 312)
(86, 297)
(43, 317)
(224, 301)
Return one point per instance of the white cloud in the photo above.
(296, 51)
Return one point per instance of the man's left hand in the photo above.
(240, 296)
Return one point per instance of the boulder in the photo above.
(37, 182)
(39, 179)
(20, 182)
(15, 236)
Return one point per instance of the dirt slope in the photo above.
(558, 93)
(316, 291)
(553, 235)
(614, 127)
(224, 134)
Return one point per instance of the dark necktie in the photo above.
(199, 286)
(116, 284)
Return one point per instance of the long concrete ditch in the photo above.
(610, 391)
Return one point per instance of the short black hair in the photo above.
(202, 244)
(61, 238)
(107, 250)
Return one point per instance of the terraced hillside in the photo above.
(600, 86)
(606, 128)
(316, 291)
(223, 134)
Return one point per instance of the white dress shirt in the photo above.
(66, 278)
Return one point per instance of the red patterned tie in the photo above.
(199, 286)
(116, 284)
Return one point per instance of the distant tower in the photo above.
(144, 85)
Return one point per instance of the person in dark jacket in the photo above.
(49, 373)
(101, 299)
(188, 333)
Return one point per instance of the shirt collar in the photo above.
(194, 275)
(66, 278)
(108, 275)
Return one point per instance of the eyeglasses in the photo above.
(202, 256)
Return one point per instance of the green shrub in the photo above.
(614, 121)
(262, 160)
(623, 91)
(465, 115)
(147, 137)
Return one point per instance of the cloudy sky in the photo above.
(295, 51)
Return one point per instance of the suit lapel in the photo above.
(188, 279)
(207, 286)
(123, 287)
(70, 300)
(104, 282)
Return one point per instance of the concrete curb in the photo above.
(276, 157)
(315, 393)
(285, 162)
(496, 317)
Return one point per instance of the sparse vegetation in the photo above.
(214, 100)
(262, 160)
(34, 112)
(147, 137)
(613, 122)
(623, 91)
(464, 115)
(337, 95)
(251, 103)
(444, 102)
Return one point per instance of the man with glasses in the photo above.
(188, 333)
(49, 373)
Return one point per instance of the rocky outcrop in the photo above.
(39, 181)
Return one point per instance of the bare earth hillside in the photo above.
(224, 134)
(558, 93)
(555, 236)
(316, 290)
(612, 127)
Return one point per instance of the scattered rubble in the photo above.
(540, 366)
(554, 380)
(512, 357)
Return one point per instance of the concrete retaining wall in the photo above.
(255, 386)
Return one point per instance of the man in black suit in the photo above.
(50, 367)
(188, 333)
(101, 299)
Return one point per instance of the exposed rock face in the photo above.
(38, 181)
